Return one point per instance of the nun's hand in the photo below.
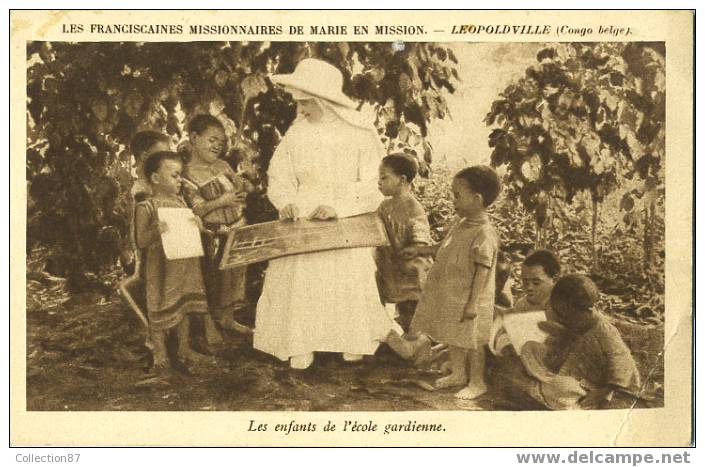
(323, 213)
(290, 211)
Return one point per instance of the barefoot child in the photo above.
(585, 361)
(216, 194)
(174, 287)
(457, 304)
(400, 280)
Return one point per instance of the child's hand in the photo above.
(469, 314)
(233, 197)
(290, 211)
(199, 223)
(163, 227)
(552, 328)
(323, 213)
(248, 186)
(595, 399)
(410, 252)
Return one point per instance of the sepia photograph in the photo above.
(326, 226)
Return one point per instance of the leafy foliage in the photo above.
(585, 118)
(85, 101)
(629, 292)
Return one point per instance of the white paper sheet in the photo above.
(182, 238)
(524, 327)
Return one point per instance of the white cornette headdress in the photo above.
(314, 78)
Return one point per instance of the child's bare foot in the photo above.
(352, 357)
(158, 348)
(301, 362)
(160, 362)
(452, 380)
(213, 337)
(191, 357)
(471, 391)
(429, 354)
(228, 322)
(446, 368)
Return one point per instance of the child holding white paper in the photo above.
(174, 287)
(583, 363)
(539, 271)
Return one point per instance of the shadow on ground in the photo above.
(87, 354)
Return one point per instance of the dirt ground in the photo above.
(86, 353)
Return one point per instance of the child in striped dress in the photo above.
(174, 288)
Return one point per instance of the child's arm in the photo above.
(419, 249)
(483, 255)
(201, 207)
(596, 397)
(231, 198)
(479, 280)
(199, 223)
(146, 230)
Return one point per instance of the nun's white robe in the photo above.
(325, 301)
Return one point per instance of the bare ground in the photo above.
(86, 353)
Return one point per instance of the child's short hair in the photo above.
(401, 164)
(202, 122)
(483, 180)
(143, 140)
(154, 162)
(576, 292)
(547, 260)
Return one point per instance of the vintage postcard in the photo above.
(501, 205)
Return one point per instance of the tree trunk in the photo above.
(649, 214)
(595, 206)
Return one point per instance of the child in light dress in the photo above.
(400, 280)
(457, 305)
(174, 288)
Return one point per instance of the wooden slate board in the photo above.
(262, 242)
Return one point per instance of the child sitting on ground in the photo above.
(584, 362)
(174, 288)
(457, 304)
(400, 281)
(539, 272)
(217, 194)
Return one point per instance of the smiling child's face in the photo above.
(466, 201)
(209, 145)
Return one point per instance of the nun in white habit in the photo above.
(325, 167)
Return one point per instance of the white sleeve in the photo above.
(282, 188)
